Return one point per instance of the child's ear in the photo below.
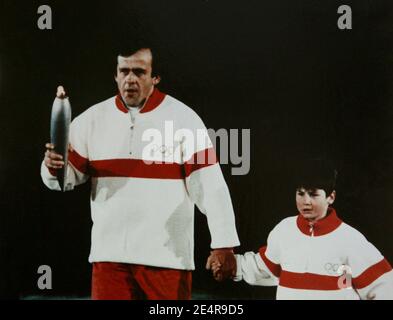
(331, 197)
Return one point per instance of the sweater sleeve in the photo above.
(251, 268)
(262, 268)
(206, 185)
(372, 275)
(77, 169)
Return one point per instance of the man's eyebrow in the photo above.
(139, 69)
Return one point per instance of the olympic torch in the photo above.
(59, 131)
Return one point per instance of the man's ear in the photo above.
(156, 80)
(331, 197)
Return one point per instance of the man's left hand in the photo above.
(225, 258)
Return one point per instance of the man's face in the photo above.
(313, 204)
(134, 78)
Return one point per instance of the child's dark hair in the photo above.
(316, 174)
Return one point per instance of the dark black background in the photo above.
(280, 68)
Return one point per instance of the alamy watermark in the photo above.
(345, 277)
(344, 22)
(44, 282)
(45, 20)
(232, 146)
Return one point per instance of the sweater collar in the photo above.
(153, 101)
(321, 227)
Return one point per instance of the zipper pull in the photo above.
(311, 229)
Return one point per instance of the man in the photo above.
(143, 189)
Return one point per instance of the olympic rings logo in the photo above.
(332, 268)
(343, 271)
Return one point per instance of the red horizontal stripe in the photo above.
(308, 281)
(135, 168)
(79, 162)
(142, 169)
(371, 274)
(273, 267)
(200, 160)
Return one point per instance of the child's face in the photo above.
(313, 203)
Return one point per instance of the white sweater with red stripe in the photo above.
(306, 262)
(145, 180)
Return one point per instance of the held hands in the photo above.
(222, 263)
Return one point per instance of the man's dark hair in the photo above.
(129, 50)
(316, 173)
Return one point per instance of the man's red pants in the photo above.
(123, 281)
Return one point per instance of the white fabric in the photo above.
(148, 221)
(323, 255)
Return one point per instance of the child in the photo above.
(315, 255)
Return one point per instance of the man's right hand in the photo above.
(52, 159)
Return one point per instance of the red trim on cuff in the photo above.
(273, 267)
(371, 274)
(199, 160)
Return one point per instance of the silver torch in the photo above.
(59, 131)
